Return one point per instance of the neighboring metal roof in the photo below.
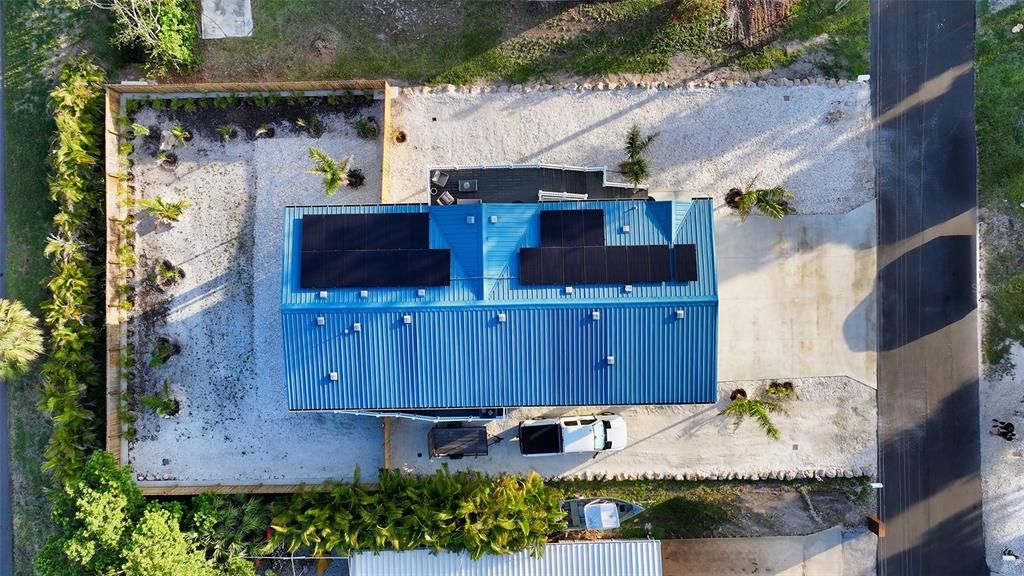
(548, 350)
(599, 558)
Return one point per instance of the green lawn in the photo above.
(999, 106)
(451, 41)
(38, 37)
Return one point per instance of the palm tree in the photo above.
(770, 202)
(21, 340)
(635, 167)
(760, 410)
(179, 133)
(162, 211)
(335, 173)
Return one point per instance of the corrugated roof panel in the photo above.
(548, 351)
(556, 356)
(600, 558)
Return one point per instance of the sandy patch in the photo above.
(812, 139)
(830, 429)
(234, 427)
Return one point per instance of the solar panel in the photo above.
(686, 262)
(618, 264)
(575, 270)
(554, 265)
(638, 264)
(572, 228)
(435, 269)
(658, 255)
(311, 270)
(596, 264)
(312, 233)
(531, 263)
(551, 228)
(593, 227)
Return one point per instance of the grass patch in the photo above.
(674, 508)
(999, 110)
(848, 45)
(455, 42)
(38, 37)
(766, 59)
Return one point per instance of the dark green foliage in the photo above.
(107, 528)
(167, 29)
(228, 526)
(366, 128)
(73, 310)
(635, 168)
(464, 511)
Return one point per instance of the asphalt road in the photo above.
(926, 163)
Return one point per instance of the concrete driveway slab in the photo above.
(819, 554)
(796, 296)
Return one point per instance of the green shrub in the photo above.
(464, 511)
(106, 527)
(73, 310)
(166, 29)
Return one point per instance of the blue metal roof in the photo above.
(549, 351)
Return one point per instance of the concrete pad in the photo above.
(830, 427)
(226, 19)
(796, 296)
(819, 554)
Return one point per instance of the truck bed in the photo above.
(540, 439)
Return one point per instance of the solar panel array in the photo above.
(369, 251)
(573, 252)
(572, 228)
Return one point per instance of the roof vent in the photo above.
(323, 294)
(595, 315)
(364, 293)
(333, 376)
(680, 314)
(628, 288)
(470, 219)
(421, 293)
(357, 327)
(320, 320)
(494, 219)
(610, 360)
(625, 228)
(502, 317)
(407, 318)
(568, 289)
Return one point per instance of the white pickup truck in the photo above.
(572, 434)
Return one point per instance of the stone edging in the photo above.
(605, 86)
(807, 474)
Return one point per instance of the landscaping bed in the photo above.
(204, 401)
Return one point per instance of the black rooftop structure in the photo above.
(522, 183)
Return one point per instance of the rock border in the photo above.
(768, 475)
(608, 86)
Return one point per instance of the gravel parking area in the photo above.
(829, 431)
(234, 427)
(812, 139)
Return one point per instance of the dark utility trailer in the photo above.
(455, 443)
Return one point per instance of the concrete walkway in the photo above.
(796, 296)
(226, 19)
(819, 554)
